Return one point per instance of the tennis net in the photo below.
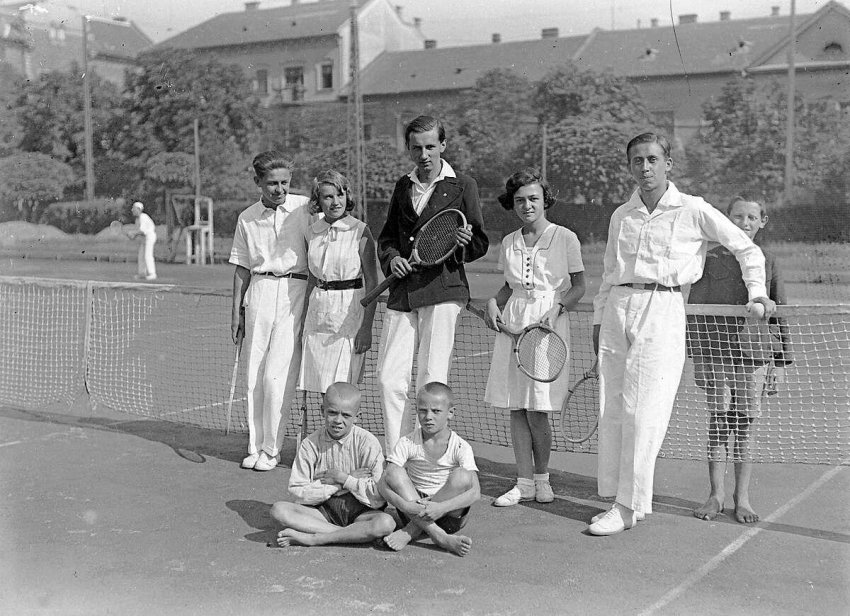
(165, 352)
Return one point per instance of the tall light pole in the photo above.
(356, 141)
(790, 121)
(89, 153)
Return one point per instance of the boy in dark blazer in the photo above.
(424, 303)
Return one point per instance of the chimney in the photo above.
(496, 38)
(653, 23)
(549, 33)
(430, 44)
(398, 9)
(252, 6)
(690, 18)
(725, 15)
(417, 22)
(774, 11)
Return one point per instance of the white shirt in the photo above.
(668, 246)
(544, 267)
(146, 226)
(273, 241)
(420, 193)
(319, 452)
(426, 474)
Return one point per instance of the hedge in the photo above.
(86, 216)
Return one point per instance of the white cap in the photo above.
(139, 205)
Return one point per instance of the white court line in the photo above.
(10, 443)
(202, 407)
(736, 545)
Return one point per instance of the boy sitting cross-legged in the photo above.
(431, 477)
(334, 479)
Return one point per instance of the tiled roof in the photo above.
(454, 68)
(117, 39)
(719, 46)
(263, 25)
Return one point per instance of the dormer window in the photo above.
(649, 54)
(741, 48)
(833, 49)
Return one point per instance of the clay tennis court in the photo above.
(109, 513)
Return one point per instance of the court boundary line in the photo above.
(707, 568)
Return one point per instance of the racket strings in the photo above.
(438, 238)
(542, 353)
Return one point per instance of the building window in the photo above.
(262, 81)
(326, 76)
(293, 81)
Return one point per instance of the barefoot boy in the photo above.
(733, 375)
(334, 480)
(431, 477)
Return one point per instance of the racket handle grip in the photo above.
(376, 292)
(481, 314)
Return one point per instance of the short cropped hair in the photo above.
(522, 178)
(436, 388)
(270, 160)
(423, 124)
(339, 182)
(649, 138)
(749, 198)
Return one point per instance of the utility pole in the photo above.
(89, 153)
(356, 141)
(790, 120)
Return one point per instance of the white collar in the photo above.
(445, 172)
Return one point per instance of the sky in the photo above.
(452, 22)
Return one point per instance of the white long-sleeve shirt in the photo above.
(319, 452)
(668, 246)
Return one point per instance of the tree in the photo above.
(171, 89)
(10, 129)
(32, 178)
(743, 141)
(589, 119)
(490, 123)
(50, 113)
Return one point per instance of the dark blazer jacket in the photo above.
(430, 285)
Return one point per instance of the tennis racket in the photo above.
(302, 430)
(580, 411)
(233, 386)
(539, 351)
(116, 227)
(435, 242)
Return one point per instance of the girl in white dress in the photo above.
(343, 267)
(544, 277)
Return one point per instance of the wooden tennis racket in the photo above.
(539, 351)
(580, 410)
(117, 227)
(233, 385)
(302, 429)
(435, 242)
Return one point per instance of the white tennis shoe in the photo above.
(250, 461)
(615, 520)
(639, 516)
(266, 462)
(543, 491)
(512, 497)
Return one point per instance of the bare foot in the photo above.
(744, 514)
(398, 539)
(710, 510)
(289, 536)
(456, 544)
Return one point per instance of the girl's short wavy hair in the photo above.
(338, 181)
(522, 178)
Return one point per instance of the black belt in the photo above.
(650, 286)
(340, 285)
(290, 275)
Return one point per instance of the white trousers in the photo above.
(641, 356)
(428, 332)
(146, 265)
(273, 320)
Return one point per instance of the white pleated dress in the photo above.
(538, 276)
(333, 316)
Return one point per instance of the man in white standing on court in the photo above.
(424, 303)
(269, 287)
(145, 231)
(657, 242)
